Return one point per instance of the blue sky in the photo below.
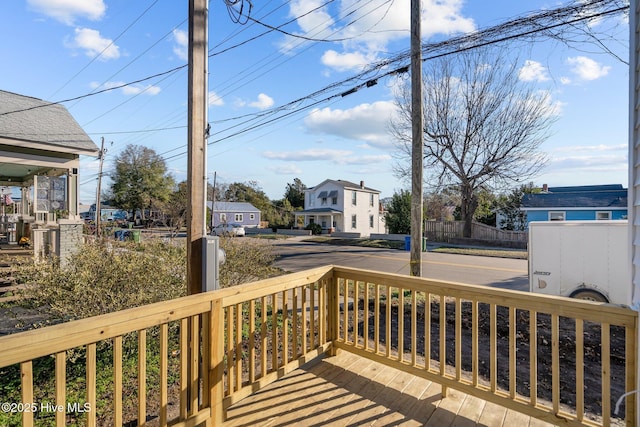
(57, 50)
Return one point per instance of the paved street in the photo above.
(295, 255)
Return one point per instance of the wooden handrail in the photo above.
(253, 334)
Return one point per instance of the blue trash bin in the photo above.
(407, 243)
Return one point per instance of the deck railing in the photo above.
(208, 351)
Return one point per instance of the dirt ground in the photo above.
(567, 352)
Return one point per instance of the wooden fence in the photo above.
(446, 231)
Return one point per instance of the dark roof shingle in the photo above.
(23, 118)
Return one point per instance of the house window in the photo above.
(354, 196)
(353, 221)
(223, 217)
(603, 216)
(334, 200)
(556, 216)
(324, 201)
(371, 221)
(371, 199)
(252, 216)
(311, 199)
(238, 218)
(324, 224)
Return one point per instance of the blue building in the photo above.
(588, 202)
(242, 213)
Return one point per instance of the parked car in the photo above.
(228, 230)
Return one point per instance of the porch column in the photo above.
(72, 193)
(24, 201)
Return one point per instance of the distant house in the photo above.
(242, 213)
(589, 202)
(342, 206)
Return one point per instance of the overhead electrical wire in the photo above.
(95, 58)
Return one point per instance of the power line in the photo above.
(105, 49)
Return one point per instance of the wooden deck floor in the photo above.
(348, 390)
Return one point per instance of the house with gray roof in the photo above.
(343, 207)
(242, 213)
(587, 202)
(40, 149)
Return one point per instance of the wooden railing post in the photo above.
(333, 318)
(216, 362)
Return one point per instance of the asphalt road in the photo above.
(295, 255)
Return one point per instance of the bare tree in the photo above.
(482, 125)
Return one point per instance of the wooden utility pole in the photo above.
(196, 168)
(417, 122)
(98, 202)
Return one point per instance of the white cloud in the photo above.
(263, 102)
(597, 148)
(308, 155)
(565, 80)
(586, 68)
(94, 45)
(215, 100)
(533, 71)
(181, 46)
(130, 89)
(67, 11)
(372, 25)
(340, 157)
(585, 163)
(365, 122)
(346, 61)
(286, 169)
(589, 159)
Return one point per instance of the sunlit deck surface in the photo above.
(348, 390)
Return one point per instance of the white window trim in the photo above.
(354, 221)
(238, 217)
(608, 213)
(563, 213)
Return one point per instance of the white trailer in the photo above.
(580, 259)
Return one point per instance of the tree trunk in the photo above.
(468, 208)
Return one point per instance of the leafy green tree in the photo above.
(485, 212)
(512, 218)
(295, 193)
(252, 193)
(140, 180)
(398, 216)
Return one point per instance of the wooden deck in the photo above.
(349, 390)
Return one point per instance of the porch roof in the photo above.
(319, 211)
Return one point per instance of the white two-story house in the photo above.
(342, 206)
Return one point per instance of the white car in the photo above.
(228, 230)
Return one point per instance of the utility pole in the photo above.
(101, 157)
(417, 124)
(213, 198)
(196, 163)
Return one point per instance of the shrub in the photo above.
(316, 229)
(107, 276)
(246, 260)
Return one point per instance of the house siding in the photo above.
(231, 210)
(344, 207)
(574, 215)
